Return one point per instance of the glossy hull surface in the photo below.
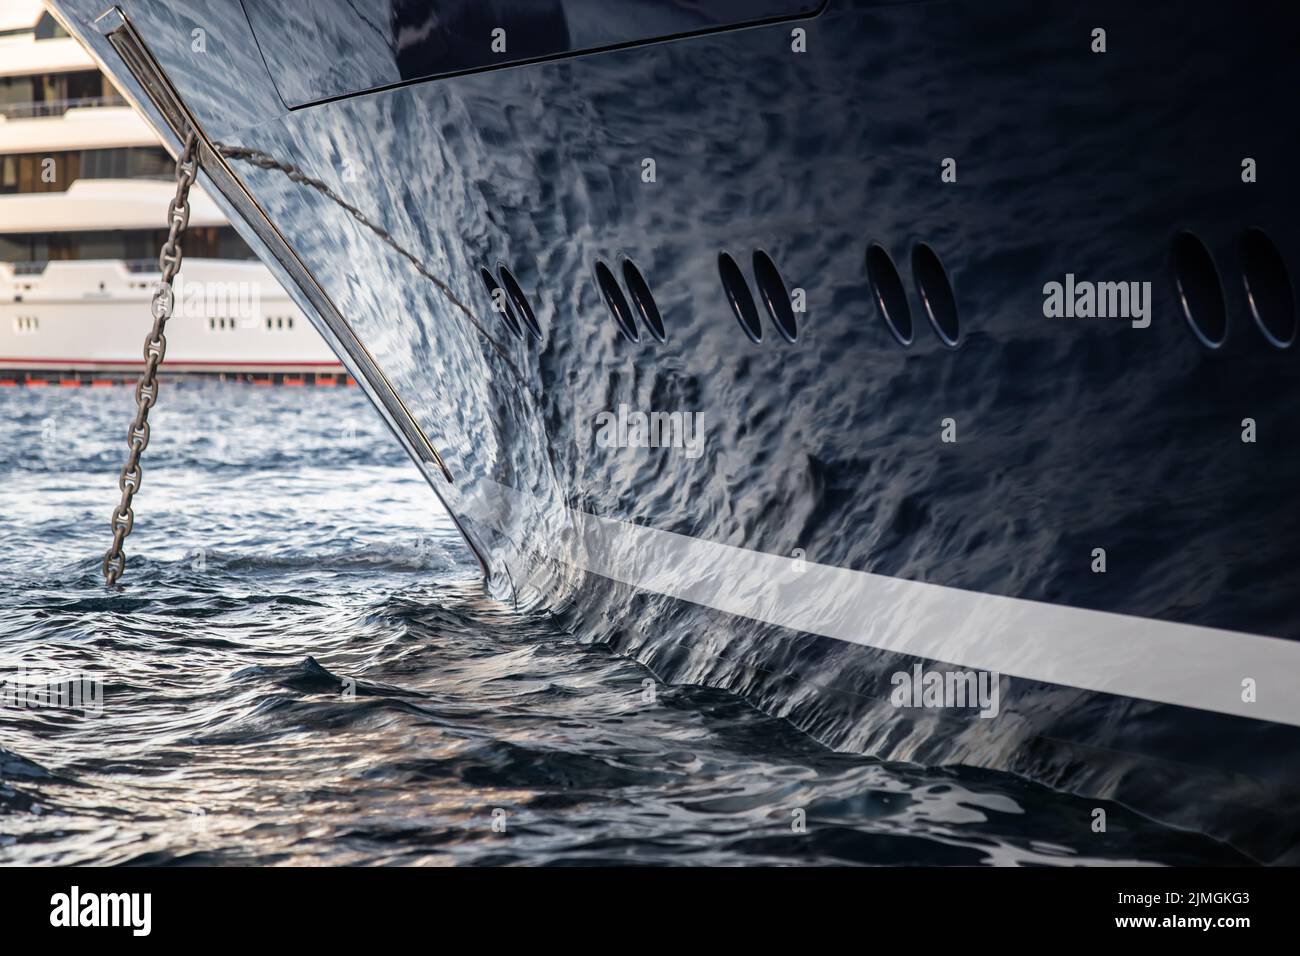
(824, 533)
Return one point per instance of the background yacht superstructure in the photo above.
(84, 187)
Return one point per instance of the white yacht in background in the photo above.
(84, 187)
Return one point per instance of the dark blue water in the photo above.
(302, 667)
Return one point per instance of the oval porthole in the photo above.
(775, 295)
(890, 293)
(644, 300)
(1268, 288)
(741, 299)
(616, 301)
(936, 293)
(1200, 293)
(523, 309)
(501, 302)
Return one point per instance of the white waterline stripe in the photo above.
(1146, 658)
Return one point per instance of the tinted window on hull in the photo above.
(326, 48)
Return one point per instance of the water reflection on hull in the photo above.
(1066, 501)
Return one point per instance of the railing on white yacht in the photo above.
(31, 110)
(34, 267)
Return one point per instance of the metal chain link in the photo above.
(155, 347)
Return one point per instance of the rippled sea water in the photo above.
(301, 666)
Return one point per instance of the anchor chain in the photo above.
(155, 347)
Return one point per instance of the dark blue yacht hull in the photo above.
(870, 257)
